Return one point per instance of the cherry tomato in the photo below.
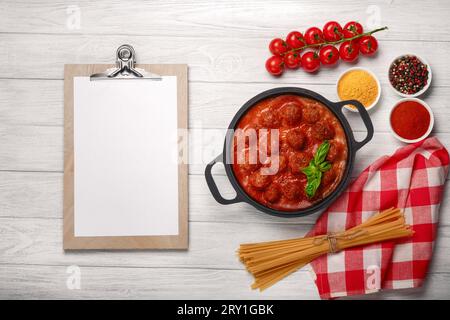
(368, 45)
(332, 31)
(352, 29)
(292, 60)
(329, 55)
(313, 36)
(349, 51)
(278, 46)
(274, 65)
(310, 61)
(295, 40)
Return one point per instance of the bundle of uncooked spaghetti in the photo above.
(271, 261)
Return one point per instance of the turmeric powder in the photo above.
(358, 85)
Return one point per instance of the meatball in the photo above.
(293, 190)
(296, 139)
(298, 161)
(311, 113)
(282, 163)
(259, 180)
(272, 193)
(291, 113)
(267, 141)
(276, 164)
(323, 131)
(246, 138)
(247, 163)
(268, 119)
(328, 177)
(334, 152)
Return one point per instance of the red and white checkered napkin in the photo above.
(412, 179)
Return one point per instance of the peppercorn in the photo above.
(408, 74)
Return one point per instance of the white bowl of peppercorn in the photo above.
(409, 75)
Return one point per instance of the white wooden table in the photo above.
(225, 45)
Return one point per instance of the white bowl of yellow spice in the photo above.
(359, 84)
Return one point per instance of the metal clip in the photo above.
(125, 61)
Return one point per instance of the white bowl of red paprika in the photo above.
(409, 75)
(411, 120)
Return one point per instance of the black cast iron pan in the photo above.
(336, 109)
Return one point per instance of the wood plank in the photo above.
(218, 59)
(39, 195)
(207, 109)
(205, 145)
(40, 145)
(40, 148)
(32, 102)
(235, 19)
(203, 207)
(50, 282)
(211, 245)
(32, 194)
(213, 105)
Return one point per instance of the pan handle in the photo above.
(212, 184)
(365, 118)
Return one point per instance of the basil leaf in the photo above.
(313, 184)
(309, 170)
(321, 152)
(316, 167)
(325, 166)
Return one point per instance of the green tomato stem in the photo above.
(338, 41)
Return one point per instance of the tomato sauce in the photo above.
(278, 137)
(410, 120)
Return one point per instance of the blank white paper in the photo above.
(125, 146)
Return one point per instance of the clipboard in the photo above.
(124, 70)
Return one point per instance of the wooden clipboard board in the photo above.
(70, 241)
